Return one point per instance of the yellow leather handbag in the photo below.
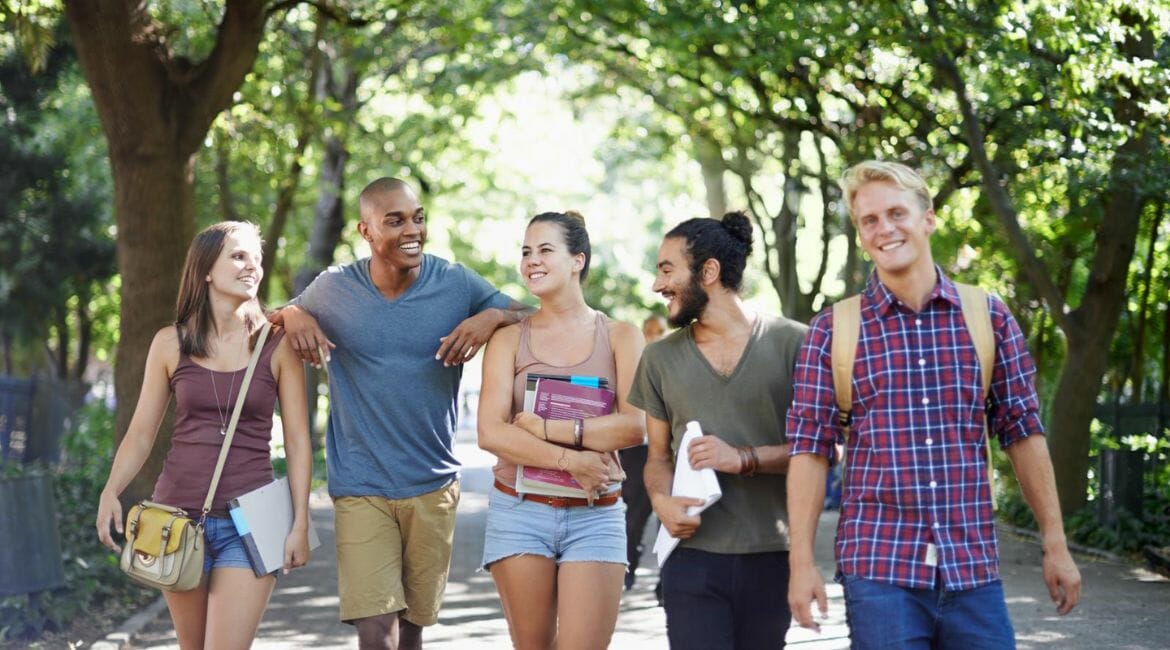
(164, 547)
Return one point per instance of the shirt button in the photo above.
(933, 484)
(917, 321)
(930, 441)
(935, 525)
(925, 400)
(922, 362)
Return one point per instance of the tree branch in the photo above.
(1001, 203)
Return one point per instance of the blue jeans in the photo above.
(725, 601)
(886, 616)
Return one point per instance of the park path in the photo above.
(1124, 606)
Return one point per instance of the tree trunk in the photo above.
(154, 203)
(710, 159)
(1096, 323)
(155, 109)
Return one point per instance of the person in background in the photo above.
(558, 561)
(201, 360)
(916, 547)
(638, 509)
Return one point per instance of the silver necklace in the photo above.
(225, 410)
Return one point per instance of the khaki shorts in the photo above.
(394, 554)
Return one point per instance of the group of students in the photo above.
(916, 547)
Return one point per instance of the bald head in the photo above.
(380, 189)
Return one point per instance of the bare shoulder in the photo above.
(622, 328)
(165, 348)
(507, 336)
(621, 331)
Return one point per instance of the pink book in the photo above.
(562, 400)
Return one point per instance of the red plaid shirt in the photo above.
(916, 471)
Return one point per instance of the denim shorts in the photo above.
(224, 546)
(575, 534)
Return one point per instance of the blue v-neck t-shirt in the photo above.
(393, 406)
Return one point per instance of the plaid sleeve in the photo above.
(812, 422)
(1014, 412)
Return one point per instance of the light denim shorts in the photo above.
(576, 534)
(224, 546)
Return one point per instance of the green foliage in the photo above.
(56, 254)
(92, 577)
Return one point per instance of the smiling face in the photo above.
(394, 223)
(545, 261)
(686, 298)
(894, 228)
(237, 271)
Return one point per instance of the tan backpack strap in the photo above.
(231, 430)
(846, 332)
(978, 319)
(842, 354)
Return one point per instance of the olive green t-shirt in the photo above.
(676, 383)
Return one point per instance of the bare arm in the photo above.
(659, 478)
(161, 361)
(498, 435)
(1033, 468)
(626, 426)
(711, 451)
(294, 413)
(806, 498)
(471, 334)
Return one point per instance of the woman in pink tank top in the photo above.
(201, 359)
(558, 561)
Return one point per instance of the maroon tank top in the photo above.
(196, 442)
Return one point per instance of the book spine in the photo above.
(250, 548)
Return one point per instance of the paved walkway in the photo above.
(1124, 606)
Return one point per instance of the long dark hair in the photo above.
(193, 318)
(729, 241)
(576, 236)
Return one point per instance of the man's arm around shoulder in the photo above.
(303, 333)
(470, 335)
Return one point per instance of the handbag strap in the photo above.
(231, 430)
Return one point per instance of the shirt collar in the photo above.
(884, 300)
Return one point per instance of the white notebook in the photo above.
(688, 482)
(263, 518)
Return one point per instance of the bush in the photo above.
(92, 576)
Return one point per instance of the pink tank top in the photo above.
(599, 363)
(200, 409)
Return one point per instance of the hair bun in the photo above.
(739, 226)
(573, 214)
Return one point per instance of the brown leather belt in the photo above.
(608, 499)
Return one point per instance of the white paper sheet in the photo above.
(688, 482)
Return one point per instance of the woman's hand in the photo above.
(109, 511)
(590, 469)
(531, 423)
(296, 548)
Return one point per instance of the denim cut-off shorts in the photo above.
(224, 548)
(575, 534)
